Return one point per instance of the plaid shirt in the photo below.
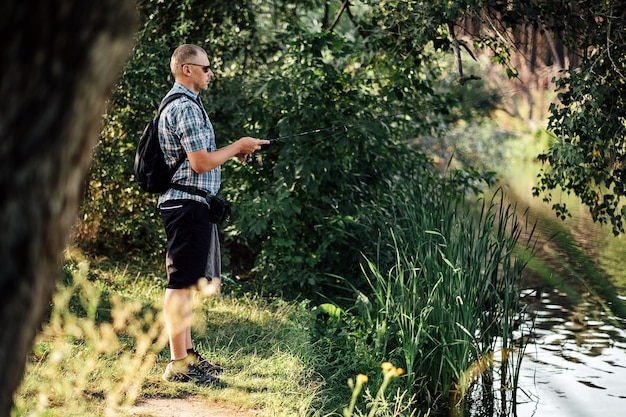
(185, 128)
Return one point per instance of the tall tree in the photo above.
(60, 60)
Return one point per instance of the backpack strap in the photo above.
(167, 100)
(185, 188)
(189, 189)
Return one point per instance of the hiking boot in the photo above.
(204, 365)
(181, 371)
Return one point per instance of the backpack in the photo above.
(151, 171)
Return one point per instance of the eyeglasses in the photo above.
(205, 68)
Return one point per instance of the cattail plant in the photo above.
(445, 289)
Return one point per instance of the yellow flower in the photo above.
(387, 366)
(361, 379)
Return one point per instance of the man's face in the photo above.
(200, 71)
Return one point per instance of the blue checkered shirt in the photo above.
(185, 128)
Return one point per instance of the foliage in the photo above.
(443, 296)
(304, 206)
(587, 157)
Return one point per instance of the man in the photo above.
(193, 253)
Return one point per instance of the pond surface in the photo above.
(575, 362)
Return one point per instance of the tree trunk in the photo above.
(60, 60)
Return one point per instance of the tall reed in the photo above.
(444, 289)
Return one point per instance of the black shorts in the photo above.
(193, 249)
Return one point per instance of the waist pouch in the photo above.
(219, 209)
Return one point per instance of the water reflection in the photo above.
(575, 359)
(575, 363)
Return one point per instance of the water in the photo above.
(575, 364)
(575, 361)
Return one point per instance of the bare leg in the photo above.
(188, 342)
(177, 310)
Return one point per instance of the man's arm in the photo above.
(203, 161)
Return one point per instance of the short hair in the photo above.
(182, 55)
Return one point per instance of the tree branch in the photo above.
(457, 56)
(344, 6)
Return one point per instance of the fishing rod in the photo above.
(332, 128)
(254, 158)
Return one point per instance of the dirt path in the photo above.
(187, 407)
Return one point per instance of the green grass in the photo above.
(103, 346)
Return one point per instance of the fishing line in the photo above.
(343, 127)
(309, 132)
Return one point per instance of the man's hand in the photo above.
(202, 161)
(248, 145)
